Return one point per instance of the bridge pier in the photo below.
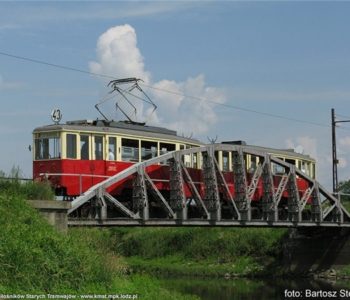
(55, 212)
(316, 250)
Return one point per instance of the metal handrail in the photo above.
(76, 175)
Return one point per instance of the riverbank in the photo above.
(203, 252)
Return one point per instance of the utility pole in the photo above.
(334, 152)
(334, 155)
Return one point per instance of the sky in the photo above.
(267, 73)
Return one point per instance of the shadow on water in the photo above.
(247, 289)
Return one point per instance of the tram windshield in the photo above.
(47, 146)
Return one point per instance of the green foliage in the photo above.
(344, 187)
(33, 257)
(179, 266)
(13, 185)
(190, 251)
(200, 243)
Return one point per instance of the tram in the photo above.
(79, 154)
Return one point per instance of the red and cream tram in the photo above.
(79, 154)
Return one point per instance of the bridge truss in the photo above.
(212, 201)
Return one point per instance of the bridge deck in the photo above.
(198, 222)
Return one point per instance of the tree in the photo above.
(344, 188)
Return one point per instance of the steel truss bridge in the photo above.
(216, 205)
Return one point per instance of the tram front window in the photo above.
(71, 142)
(48, 147)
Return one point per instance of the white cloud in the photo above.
(119, 56)
(342, 162)
(308, 144)
(345, 142)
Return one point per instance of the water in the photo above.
(249, 289)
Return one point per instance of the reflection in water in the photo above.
(248, 289)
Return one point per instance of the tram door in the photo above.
(92, 157)
(98, 157)
(111, 159)
(87, 166)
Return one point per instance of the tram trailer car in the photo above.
(79, 154)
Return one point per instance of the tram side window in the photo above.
(253, 164)
(112, 150)
(148, 150)
(291, 161)
(278, 169)
(130, 150)
(84, 147)
(304, 167)
(313, 170)
(71, 146)
(165, 148)
(47, 148)
(99, 147)
(225, 161)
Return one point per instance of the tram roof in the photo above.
(122, 127)
(136, 129)
(276, 152)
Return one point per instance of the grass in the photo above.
(200, 251)
(180, 266)
(12, 185)
(36, 259)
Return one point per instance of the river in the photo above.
(249, 289)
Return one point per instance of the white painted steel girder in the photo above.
(217, 190)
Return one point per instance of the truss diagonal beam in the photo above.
(120, 206)
(160, 196)
(198, 198)
(227, 190)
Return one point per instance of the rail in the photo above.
(46, 175)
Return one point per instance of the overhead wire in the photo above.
(37, 61)
(236, 107)
(267, 114)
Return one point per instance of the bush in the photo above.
(13, 185)
(34, 257)
(200, 243)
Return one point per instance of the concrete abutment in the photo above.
(56, 212)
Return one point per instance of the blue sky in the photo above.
(285, 58)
